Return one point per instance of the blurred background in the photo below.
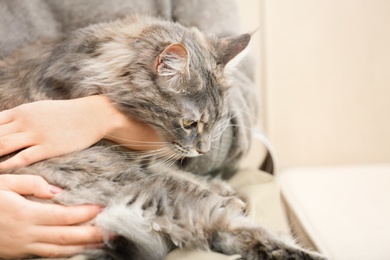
(323, 74)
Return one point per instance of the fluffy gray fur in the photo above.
(161, 73)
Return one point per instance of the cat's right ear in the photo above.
(173, 61)
(232, 48)
(172, 65)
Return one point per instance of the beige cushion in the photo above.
(345, 210)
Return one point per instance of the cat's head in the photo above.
(190, 106)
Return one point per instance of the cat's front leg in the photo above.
(221, 187)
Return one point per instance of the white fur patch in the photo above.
(129, 221)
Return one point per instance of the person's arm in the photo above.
(45, 129)
(30, 228)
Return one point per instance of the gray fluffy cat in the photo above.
(174, 79)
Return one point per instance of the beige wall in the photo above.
(326, 75)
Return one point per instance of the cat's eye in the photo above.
(188, 123)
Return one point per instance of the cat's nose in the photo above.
(200, 152)
(202, 147)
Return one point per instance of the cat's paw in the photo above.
(221, 187)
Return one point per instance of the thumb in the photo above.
(28, 185)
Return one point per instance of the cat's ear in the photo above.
(229, 48)
(173, 61)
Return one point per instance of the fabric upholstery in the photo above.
(344, 210)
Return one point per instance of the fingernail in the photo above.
(55, 189)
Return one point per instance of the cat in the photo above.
(174, 79)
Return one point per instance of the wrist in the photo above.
(129, 132)
(109, 119)
(115, 121)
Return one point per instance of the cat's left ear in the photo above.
(230, 47)
(173, 61)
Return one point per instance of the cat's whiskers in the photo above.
(163, 152)
(170, 160)
(131, 141)
(129, 145)
(132, 151)
(149, 155)
(219, 130)
(167, 160)
(164, 159)
(251, 116)
(241, 126)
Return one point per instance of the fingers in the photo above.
(17, 133)
(8, 128)
(13, 142)
(23, 158)
(5, 117)
(57, 240)
(49, 214)
(28, 185)
(42, 229)
(58, 215)
(55, 251)
(69, 235)
(11, 138)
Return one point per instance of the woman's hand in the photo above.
(30, 228)
(45, 129)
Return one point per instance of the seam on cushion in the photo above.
(302, 217)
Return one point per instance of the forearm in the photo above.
(49, 128)
(128, 131)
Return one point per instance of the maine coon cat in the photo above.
(172, 78)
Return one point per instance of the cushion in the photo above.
(344, 210)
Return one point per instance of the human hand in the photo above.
(49, 128)
(31, 228)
